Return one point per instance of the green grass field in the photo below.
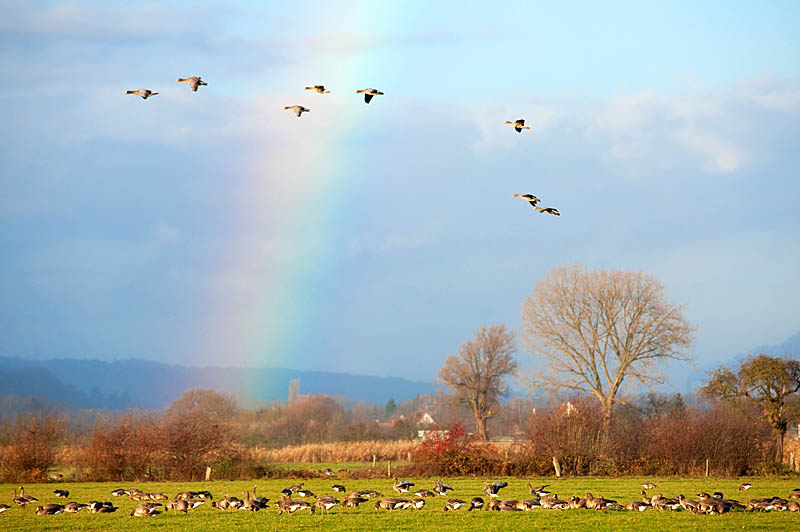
(430, 518)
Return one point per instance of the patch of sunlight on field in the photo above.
(430, 518)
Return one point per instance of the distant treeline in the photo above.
(653, 435)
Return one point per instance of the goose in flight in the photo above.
(144, 93)
(402, 486)
(318, 88)
(518, 124)
(194, 82)
(298, 109)
(369, 93)
(548, 210)
(530, 198)
(492, 489)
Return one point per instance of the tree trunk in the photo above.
(481, 428)
(606, 428)
(779, 452)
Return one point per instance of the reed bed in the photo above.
(356, 451)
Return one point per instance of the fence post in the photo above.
(706, 466)
(208, 473)
(373, 461)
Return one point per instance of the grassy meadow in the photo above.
(430, 518)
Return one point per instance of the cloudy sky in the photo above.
(215, 228)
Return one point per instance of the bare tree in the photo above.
(595, 328)
(770, 383)
(478, 371)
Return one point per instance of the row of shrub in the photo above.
(197, 432)
(729, 441)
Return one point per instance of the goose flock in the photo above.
(296, 498)
(196, 82)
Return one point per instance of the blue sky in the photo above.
(216, 228)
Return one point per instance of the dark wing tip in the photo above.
(367, 97)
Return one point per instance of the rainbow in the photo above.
(296, 211)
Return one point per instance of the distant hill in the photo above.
(789, 347)
(149, 385)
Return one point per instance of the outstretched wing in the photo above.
(367, 97)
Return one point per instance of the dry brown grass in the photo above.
(357, 451)
(362, 451)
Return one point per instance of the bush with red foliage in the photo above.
(124, 450)
(452, 452)
(675, 443)
(33, 441)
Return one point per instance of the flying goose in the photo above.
(318, 88)
(548, 210)
(441, 488)
(194, 82)
(538, 490)
(530, 198)
(369, 93)
(402, 486)
(4, 508)
(492, 489)
(61, 493)
(298, 109)
(144, 93)
(518, 124)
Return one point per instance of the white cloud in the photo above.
(717, 154)
(642, 133)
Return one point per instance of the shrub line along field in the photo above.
(430, 517)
